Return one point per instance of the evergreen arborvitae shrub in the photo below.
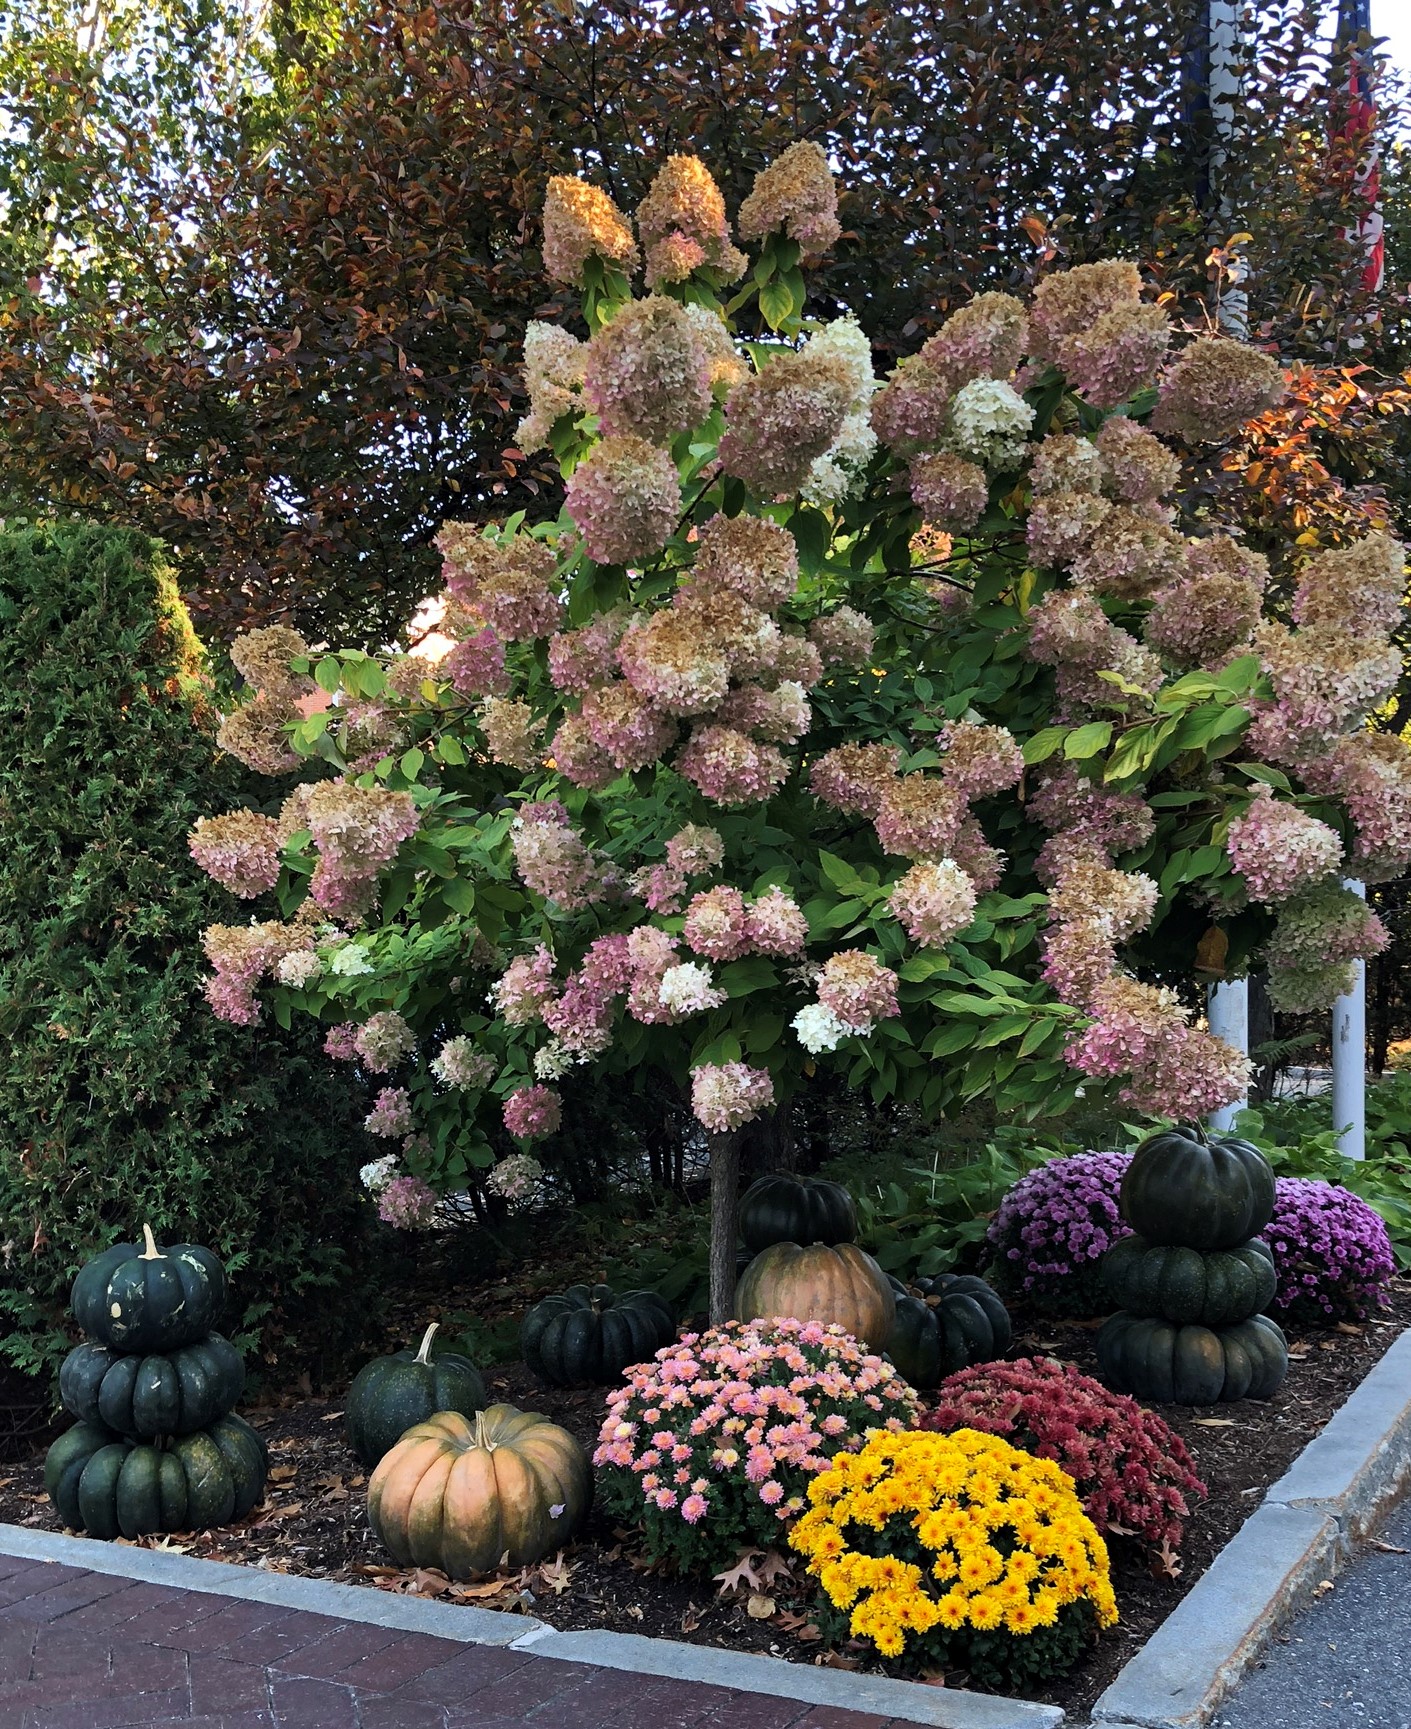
(123, 1100)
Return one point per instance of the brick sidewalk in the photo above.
(81, 1650)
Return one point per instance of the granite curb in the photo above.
(912, 1702)
(1300, 1535)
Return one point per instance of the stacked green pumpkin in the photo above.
(1194, 1278)
(156, 1446)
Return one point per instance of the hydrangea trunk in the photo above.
(724, 1206)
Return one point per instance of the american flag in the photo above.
(1358, 135)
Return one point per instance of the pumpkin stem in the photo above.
(424, 1354)
(480, 1440)
(151, 1252)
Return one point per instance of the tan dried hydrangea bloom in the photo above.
(582, 222)
(262, 659)
(553, 379)
(798, 194)
(1214, 387)
(255, 735)
(683, 225)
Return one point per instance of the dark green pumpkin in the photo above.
(1165, 1364)
(143, 1299)
(944, 1325)
(1198, 1191)
(392, 1394)
(803, 1210)
(1209, 1288)
(162, 1394)
(589, 1335)
(111, 1487)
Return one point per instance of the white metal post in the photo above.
(1227, 1012)
(1225, 95)
(1350, 1058)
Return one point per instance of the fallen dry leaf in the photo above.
(331, 1417)
(760, 1608)
(743, 1573)
(428, 1582)
(1323, 1587)
(1386, 1548)
(283, 1473)
(1215, 1422)
(556, 1575)
(691, 1619)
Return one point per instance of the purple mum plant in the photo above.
(1331, 1249)
(1052, 1229)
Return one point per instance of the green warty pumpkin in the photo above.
(1161, 1363)
(111, 1487)
(392, 1394)
(168, 1393)
(1205, 1287)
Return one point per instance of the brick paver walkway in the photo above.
(82, 1650)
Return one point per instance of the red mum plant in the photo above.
(1133, 1473)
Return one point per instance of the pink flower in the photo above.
(716, 924)
(533, 1112)
(858, 989)
(694, 1509)
(725, 1095)
(775, 924)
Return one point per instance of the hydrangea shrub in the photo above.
(1332, 1252)
(911, 726)
(1132, 1470)
(1051, 1230)
(709, 1449)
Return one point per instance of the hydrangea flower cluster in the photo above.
(407, 1203)
(531, 1113)
(1132, 1470)
(726, 1095)
(517, 1179)
(954, 1550)
(1047, 1240)
(1332, 1252)
(709, 1448)
(1279, 849)
(1319, 935)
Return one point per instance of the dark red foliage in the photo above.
(1133, 1472)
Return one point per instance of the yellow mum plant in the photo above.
(957, 1551)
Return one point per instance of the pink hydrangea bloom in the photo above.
(476, 666)
(854, 777)
(726, 1095)
(730, 768)
(239, 850)
(383, 1040)
(858, 989)
(717, 924)
(408, 1203)
(1279, 849)
(533, 1112)
(391, 1114)
(933, 902)
(775, 924)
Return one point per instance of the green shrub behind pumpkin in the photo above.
(122, 1098)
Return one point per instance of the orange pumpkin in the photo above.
(464, 1494)
(841, 1284)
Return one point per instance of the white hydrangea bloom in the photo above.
(689, 989)
(299, 969)
(989, 422)
(819, 1029)
(552, 1060)
(349, 961)
(376, 1176)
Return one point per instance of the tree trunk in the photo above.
(724, 1198)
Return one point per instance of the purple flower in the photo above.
(1052, 1229)
(1331, 1250)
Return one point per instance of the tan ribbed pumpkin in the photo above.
(464, 1494)
(841, 1284)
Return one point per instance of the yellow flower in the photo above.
(1020, 1617)
(986, 1612)
(953, 1610)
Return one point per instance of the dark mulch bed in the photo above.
(312, 1520)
